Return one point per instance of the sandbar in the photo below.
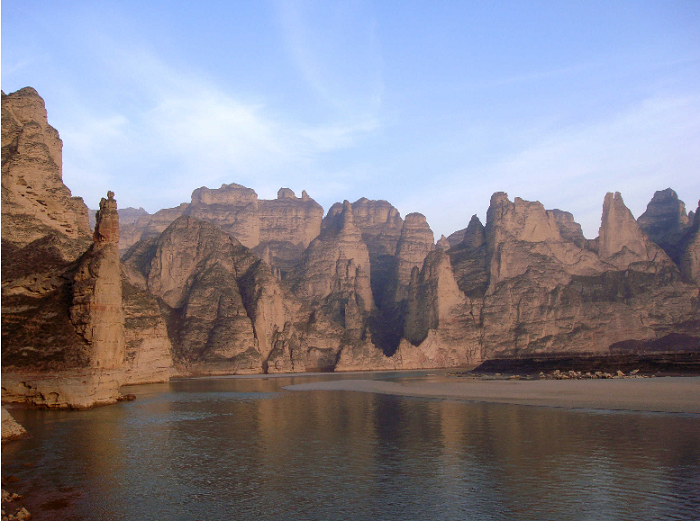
(666, 394)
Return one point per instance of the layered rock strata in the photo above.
(229, 283)
(223, 304)
(63, 337)
(278, 229)
(35, 202)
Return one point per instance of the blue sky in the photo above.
(432, 106)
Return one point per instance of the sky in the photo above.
(430, 105)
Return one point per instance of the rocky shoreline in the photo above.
(596, 366)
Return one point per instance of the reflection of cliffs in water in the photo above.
(199, 448)
(230, 283)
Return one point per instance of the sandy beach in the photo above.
(667, 394)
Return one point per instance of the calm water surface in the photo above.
(243, 448)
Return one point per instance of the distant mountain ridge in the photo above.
(229, 283)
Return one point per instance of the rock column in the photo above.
(97, 292)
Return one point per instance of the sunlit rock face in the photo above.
(548, 294)
(229, 283)
(35, 202)
(63, 324)
(96, 310)
(278, 229)
(194, 268)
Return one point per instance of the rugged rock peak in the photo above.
(569, 229)
(336, 267)
(181, 250)
(522, 234)
(379, 222)
(414, 244)
(287, 224)
(442, 244)
(665, 222)
(97, 311)
(664, 212)
(456, 237)
(432, 294)
(440, 325)
(475, 234)
(347, 215)
(34, 198)
(232, 194)
(126, 216)
(107, 221)
(525, 220)
(621, 240)
(225, 303)
(286, 193)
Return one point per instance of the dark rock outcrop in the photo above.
(665, 222)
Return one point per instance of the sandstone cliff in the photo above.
(97, 311)
(547, 294)
(223, 304)
(63, 337)
(229, 283)
(689, 248)
(281, 228)
(35, 202)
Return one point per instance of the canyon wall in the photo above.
(64, 342)
(229, 283)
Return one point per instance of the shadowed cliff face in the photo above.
(665, 222)
(44, 233)
(194, 268)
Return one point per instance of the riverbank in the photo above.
(658, 364)
(668, 394)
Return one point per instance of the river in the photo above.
(244, 448)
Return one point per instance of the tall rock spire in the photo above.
(97, 292)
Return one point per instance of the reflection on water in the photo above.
(233, 448)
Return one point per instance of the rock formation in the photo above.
(665, 222)
(127, 216)
(229, 283)
(547, 294)
(415, 243)
(11, 430)
(97, 312)
(35, 202)
(689, 248)
(621, 241)
(63, 338)
(224, 306)
(285, 226)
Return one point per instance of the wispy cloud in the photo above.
(184, 131)
(336, 49)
